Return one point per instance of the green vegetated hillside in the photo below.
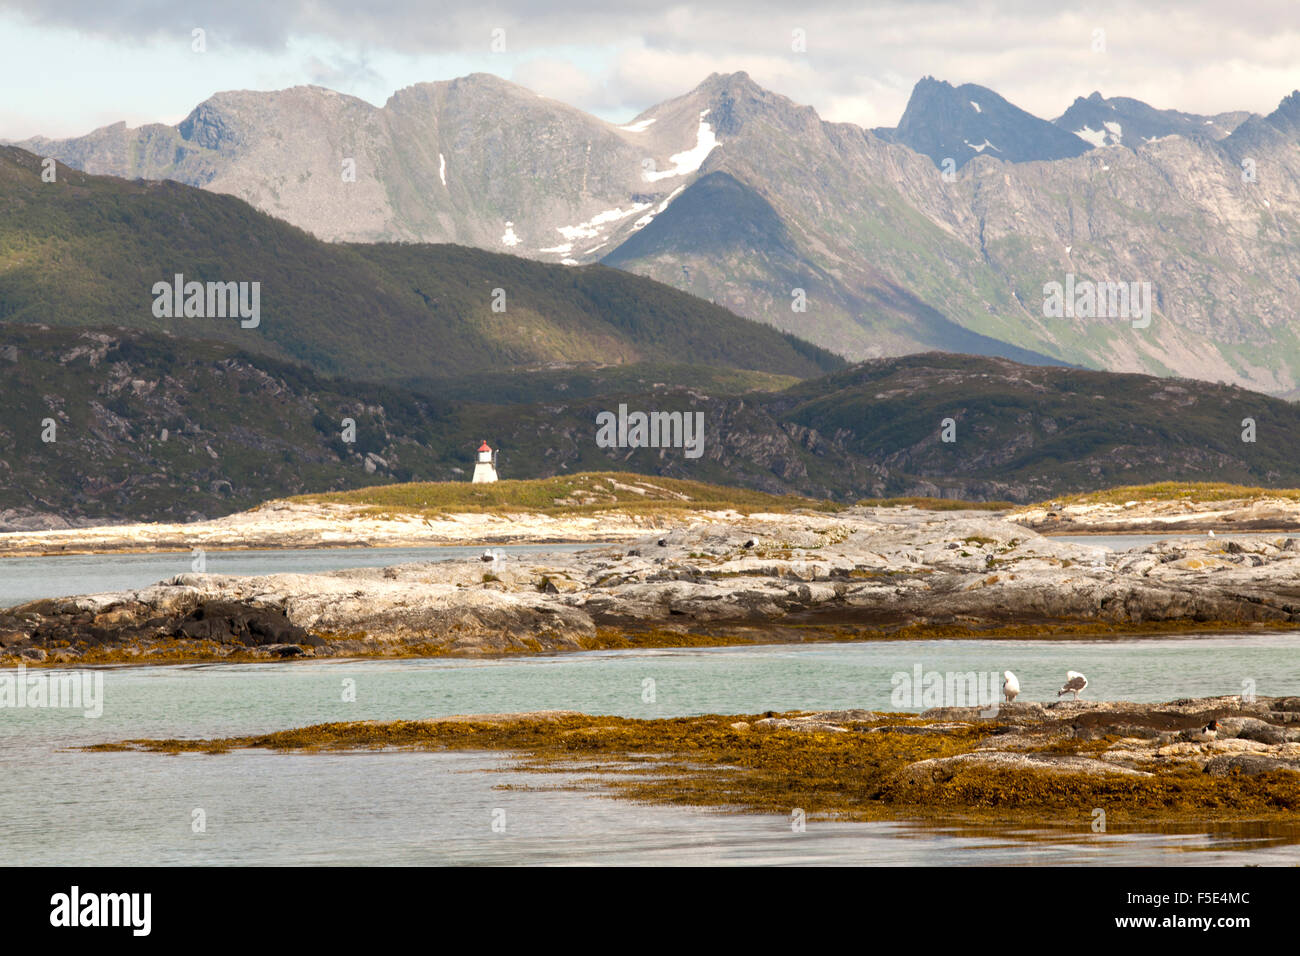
(150, 426)
(587, 492)
(87, 250)
(1035, 431)
(242, 428)
(568, 383)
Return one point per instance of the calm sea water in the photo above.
(63, 806)
(27, 579)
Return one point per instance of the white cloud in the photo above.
(559, 79)
(130, 57)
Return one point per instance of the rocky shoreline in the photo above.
(292, 524)
(1070, 763)
(298, 524)
(1181, 516)
(857, 574)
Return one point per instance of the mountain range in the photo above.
(1122, 121)
(957, 124)
(860, 241)
(111, 410)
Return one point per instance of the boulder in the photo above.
(1249, 764)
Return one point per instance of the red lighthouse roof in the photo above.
(484, 446)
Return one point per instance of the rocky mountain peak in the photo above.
(1124, 121)
(1287, 115)
(733, 99)
(733, 83)
(959, 123)
(211, 126)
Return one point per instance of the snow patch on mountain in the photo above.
(442, 168)
(981, 147)
(690, 160)
(640, 127)
(509, 238)
(590, 230)
(1111, 134)
(650, 217)
(1096, 137)
(977, 106)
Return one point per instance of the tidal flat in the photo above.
(1030, 764)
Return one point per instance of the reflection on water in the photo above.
(67, 806)
(439, 808)
(1189, 836)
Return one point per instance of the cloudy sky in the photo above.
(68, 66)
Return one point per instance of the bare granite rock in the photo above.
(942, 768)
(766, 577)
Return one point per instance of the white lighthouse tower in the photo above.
(485, 469)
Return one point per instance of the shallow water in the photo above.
(29, 578)
(62, 806)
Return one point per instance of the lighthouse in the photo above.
(485, 469)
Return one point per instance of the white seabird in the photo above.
(1074, 682)
(1010, 686)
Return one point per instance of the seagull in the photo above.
(1074, 683)
(1010, 686)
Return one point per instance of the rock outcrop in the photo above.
(760, 578)
(1129, 739)
(1170, 516)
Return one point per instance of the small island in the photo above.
(690, 565)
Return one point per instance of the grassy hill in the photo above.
(584, 493)
(1192, 491)
(87, 250)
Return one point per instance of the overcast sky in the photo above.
(68, 66)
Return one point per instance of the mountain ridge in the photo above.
(86, 249)
(880, 240)
(151, 426)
